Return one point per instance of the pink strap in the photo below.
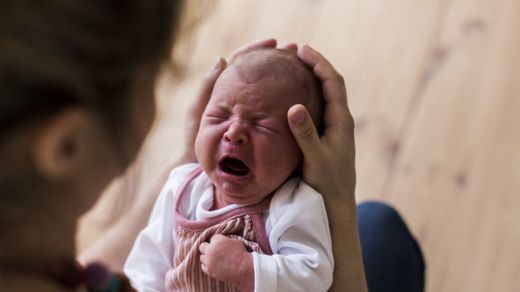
(260, 231)
(178, 196)
(256, 211)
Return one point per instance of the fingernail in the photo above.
(298, 117)
(217, 64)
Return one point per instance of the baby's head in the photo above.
(244, 142)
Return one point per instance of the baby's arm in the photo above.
(300, 239)
(226, 259)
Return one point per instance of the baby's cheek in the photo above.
(205, 145)
(286, 156)
(292, 149)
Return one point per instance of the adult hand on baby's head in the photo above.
(226, 259)
(328, 164)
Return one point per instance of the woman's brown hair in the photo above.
(58, 53)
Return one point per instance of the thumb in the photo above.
(304, 131)
(197, 106)
(216, 237)
(204, 92)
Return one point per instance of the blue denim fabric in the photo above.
(392, 257)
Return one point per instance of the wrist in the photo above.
(246, 275)
(340, 202)
(339, 189)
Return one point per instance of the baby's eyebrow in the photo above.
(254, 114)
(259, 116)
(223, 107)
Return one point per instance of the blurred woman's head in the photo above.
(76, 94)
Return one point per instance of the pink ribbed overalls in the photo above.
(245, 224)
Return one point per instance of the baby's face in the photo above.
(244, 142)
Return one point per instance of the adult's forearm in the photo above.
(349, 274)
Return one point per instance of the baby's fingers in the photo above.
(217, 238)
(203, 258)
(203, 247)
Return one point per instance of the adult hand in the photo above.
(194, 114)
(226, 259)
(328, 166)
(328, 160)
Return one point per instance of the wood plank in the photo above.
(458, 174)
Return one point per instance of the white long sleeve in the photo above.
(300, 239)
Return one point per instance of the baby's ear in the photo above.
(59, 147)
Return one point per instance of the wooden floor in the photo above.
(434, 87)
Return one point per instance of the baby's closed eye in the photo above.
(216, 116)
(268, 125)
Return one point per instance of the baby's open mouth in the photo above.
(234, 166)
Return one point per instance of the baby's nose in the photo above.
(236, 134)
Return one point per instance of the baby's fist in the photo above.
(226, 259)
